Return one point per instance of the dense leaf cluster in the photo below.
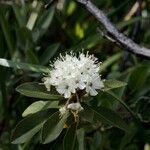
(33, 33)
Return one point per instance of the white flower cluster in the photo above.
(71, 73)
(71, 106)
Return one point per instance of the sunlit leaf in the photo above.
(23, 66)
(38, 106)
(112, 84)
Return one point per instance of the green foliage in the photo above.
(53, 127)
(24, 66)
(70, 139)
(100, 114)
(37, 91)
(112, 84)
(29, 126)
(32, 36)
(38, 106)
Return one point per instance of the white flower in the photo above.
(62, 110)
(94, 82)
(70, 73)
(75, 106)
(66, 88)
(71, 106)
(47, 83)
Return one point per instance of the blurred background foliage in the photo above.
(35, 32)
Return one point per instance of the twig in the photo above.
(120, 38)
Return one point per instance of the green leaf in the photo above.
(53, 127)
(3, 91)
(117, 9)
(112, 84)
(23, 66)
(20, 17)
(106, 115)
(87, 43)
(24, 39)
(33, 89)
(143, 109)
(33, 108)
(34, 14)
(71, 8)
(128, 137)
(138, 77)
(43, 23)
(29, 126)
(49, 53)
(131, 21)
(70, 138)
(97, 140)
(109, 61)
(124, 105)
(38, 106)
(31, 57)
(80, 138)
(7, 33)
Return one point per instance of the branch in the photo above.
(120, 38)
